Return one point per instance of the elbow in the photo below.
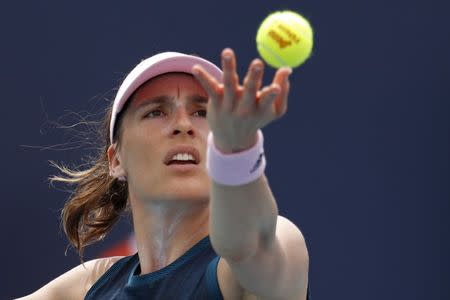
(235, 252)
(247, 247)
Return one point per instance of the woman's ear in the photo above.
(116, 169)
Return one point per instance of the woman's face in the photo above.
(166, 117)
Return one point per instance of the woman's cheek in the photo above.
(201, 124)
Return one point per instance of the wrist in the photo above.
(227, 147)
(236, 168)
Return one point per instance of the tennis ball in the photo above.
(284, 38)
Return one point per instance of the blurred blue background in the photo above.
(360, 162)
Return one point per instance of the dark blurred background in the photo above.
(360, 162)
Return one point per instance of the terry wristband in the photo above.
(236, 168)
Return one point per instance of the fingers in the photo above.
(208, 82)
(282, 80)
(267, 97)
(232, 95)
(230, 79)
(252, 84)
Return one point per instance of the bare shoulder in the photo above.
(75, 283)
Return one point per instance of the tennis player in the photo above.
(184, 153)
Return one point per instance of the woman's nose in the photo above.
(182, 123)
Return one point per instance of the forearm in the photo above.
(242, 217)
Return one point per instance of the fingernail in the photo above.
(257, 69)
(195, 70)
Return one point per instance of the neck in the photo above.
(166, 228)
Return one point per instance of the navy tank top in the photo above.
(193, 276)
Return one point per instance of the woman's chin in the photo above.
(189, 195)
(193, 190)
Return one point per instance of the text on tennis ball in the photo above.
(282, 43)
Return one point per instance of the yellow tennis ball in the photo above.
(284, 38)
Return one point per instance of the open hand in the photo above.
(236, 112)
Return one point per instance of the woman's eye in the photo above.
(154, 113)
(201, 113)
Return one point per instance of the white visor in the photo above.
(153, 66)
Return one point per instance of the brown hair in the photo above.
(98, 199)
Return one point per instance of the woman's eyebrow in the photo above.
(197, 98)
(165, 99)
(154, 100)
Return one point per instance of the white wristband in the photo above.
(236, 168)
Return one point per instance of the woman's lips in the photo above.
(181, 162)
(182, 149)
(182, 166)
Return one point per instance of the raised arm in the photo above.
(265, 253)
